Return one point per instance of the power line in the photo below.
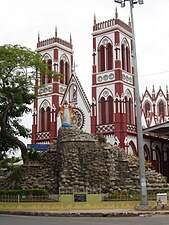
(157, 73)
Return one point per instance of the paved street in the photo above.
(29, 220)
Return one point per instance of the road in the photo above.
(29, 220)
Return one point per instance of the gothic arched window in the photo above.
(128, 59)
(105, 55)
(110, 109)
(102, 110)
(67, 75)
(161, 109)
(146, 153)
(49, 75)
(129, 110)
(47, 119)
(43, 73)
(146, 108)
(109, 55)
(102, 58)
(42, 120)
(131, 117)
(62, 71)
(125, 56)
(73, 93)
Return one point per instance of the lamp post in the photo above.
(143, 189)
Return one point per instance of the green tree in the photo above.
(18, 66)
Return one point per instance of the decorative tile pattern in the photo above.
(105, 128)
(105, 77)
(42, 135)
(131, 128)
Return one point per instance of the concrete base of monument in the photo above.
(142, 207)
(67, 125)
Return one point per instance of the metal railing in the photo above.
(115, 196)
(33, 198)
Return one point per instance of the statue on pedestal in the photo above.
(66, 115)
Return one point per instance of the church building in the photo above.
(111, 111)
(113, 90)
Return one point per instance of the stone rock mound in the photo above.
(78, 162)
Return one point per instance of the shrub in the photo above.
(26, 192)
(101, 138)
(16, 174)
(34, 155)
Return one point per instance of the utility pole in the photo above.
(143, 189)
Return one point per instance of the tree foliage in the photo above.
(18, 66)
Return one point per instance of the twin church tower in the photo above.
(111, 111)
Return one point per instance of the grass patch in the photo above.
(56, 206)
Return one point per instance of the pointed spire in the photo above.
(56, 34)
(94, 19)
(70, 38)
(38, 37)
(153, 93)
(116, 13)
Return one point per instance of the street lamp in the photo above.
(143, 188)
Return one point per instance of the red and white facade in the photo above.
(155, 107)
(155, 122)
(76, 97)
(113, 111)
(52, 91)
(58, 54)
